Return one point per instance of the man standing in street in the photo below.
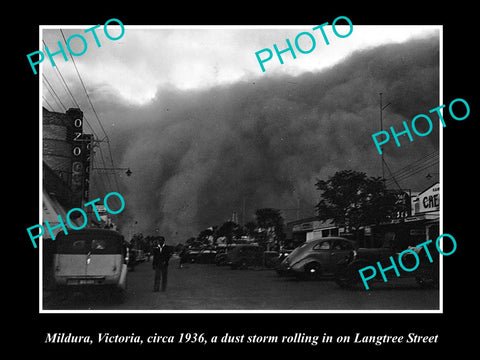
(161, 256)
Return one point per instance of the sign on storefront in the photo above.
(428, 200)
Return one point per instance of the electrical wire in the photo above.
(95, 135)
(413, 168)
(94, 111)
(50, 106)
(54, 92)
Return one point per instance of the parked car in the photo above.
(190, 255)
(282, 254)
(206, 256)
(135, 256)
(243, 256)
(317, 258)
(140, 255)
(91, 258)
(426, 274)
(221, 255)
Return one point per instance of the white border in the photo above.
(216, 27)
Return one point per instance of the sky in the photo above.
(206, 133)
(143, 60)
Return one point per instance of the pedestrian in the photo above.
(161, 256)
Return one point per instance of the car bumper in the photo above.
(285, 269)
(88, 280)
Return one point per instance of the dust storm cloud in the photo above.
(197, 156)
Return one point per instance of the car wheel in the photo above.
(348, 277)
(312, 271)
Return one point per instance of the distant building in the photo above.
(420, 222)
(307, 229)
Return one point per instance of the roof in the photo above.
(53, 118)
(330, 238)
(92, 231)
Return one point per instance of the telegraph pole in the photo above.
(381, 129)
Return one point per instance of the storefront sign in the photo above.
(429, 200)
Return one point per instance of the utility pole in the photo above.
(381, 129)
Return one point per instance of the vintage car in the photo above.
(317, 258)
(189, 255)
(221, 255)
(206, 256)
(91, 258)
(426, 274)
(244, 256)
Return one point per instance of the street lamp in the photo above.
(128, 171)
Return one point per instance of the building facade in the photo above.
(420, 223)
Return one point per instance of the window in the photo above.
(78, 245)
(99, 244)
(342, 245)
(83, 244)
(324, 245)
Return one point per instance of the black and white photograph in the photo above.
(248, 184)
(266, 187)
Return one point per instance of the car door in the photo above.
(321, 253)
(340, 249)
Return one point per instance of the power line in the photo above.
(94, 111)
(50, 106)
(53, 91)
(75, 103)
(417, 171)
(85, 89)
(95, 136)
(414, 168)
(427, 157)
(390, 171)
(59, 75)
(53, 97)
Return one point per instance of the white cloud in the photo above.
(143, 60)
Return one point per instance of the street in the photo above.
(210, 287)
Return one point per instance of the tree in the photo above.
(228, 229)
(205, 235)
(250, 229)
(352, 200)
(270, 226)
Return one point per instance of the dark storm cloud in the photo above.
(199, 155)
